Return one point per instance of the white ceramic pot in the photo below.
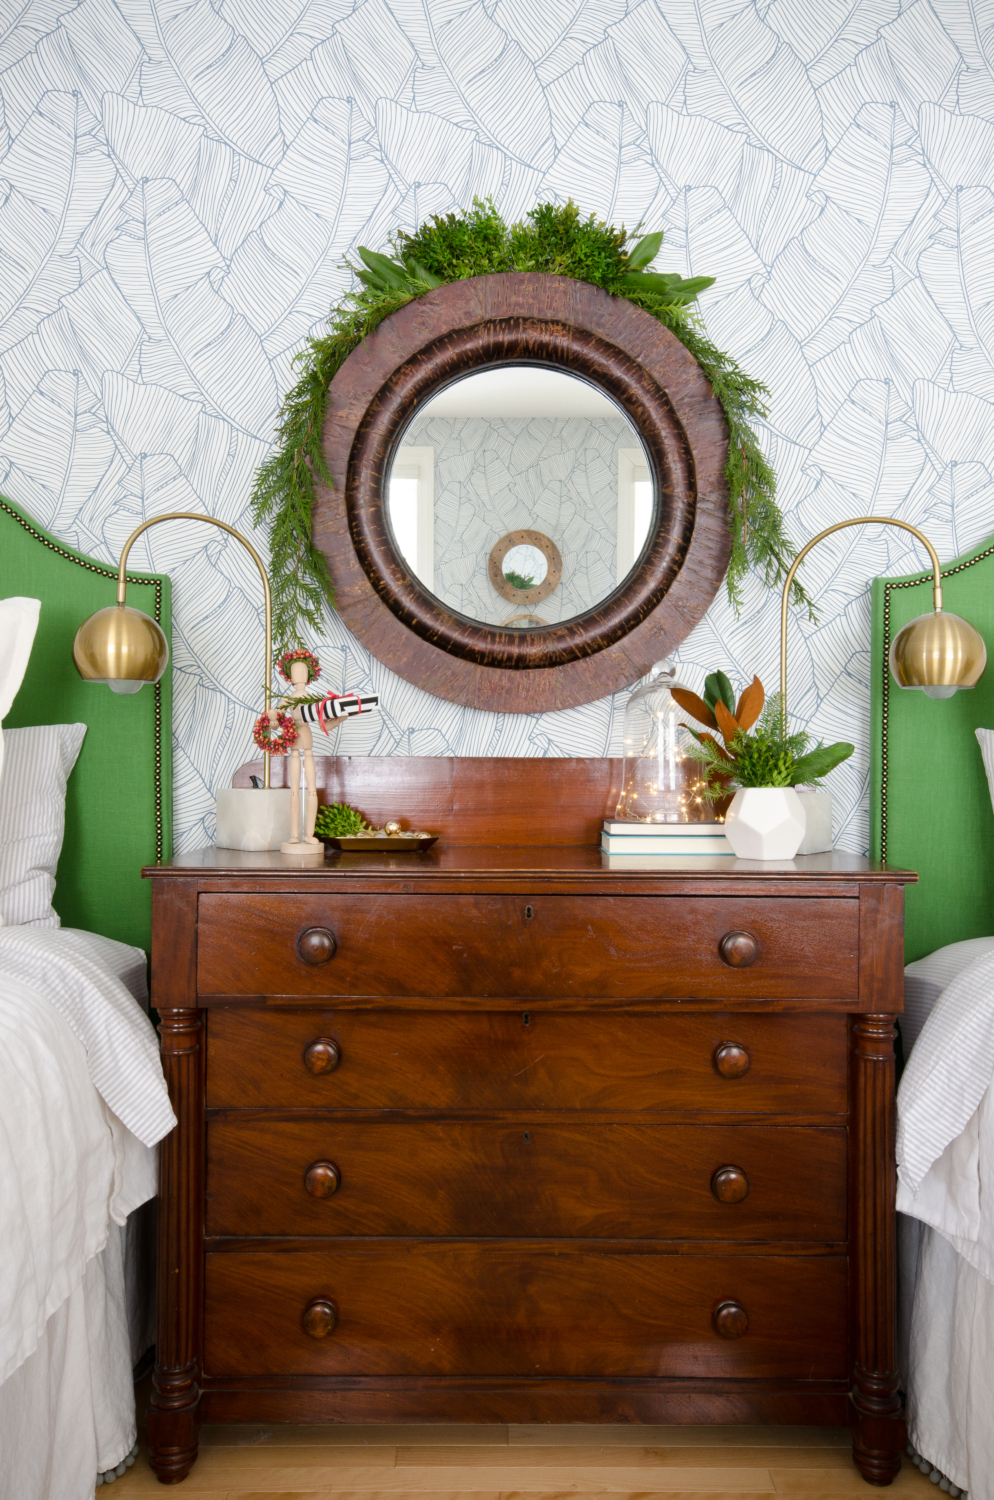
(765, 822)
(252, 817)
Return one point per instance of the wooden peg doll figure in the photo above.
(300, 668)
(303, 707)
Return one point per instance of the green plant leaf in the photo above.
(718, 686)
(673, 289)
(819, 761)
(420, 273)
(519, 581)
(384, 271)
(645, 251)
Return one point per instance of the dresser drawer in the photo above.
(431, 1309)
(478, 1060)
(696, 1182)
(616, 947)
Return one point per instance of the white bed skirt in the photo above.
(68, 1412)
(946, 1322)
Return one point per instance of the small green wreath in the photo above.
(551, 238)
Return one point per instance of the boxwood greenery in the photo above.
(553, 237)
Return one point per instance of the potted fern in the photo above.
(766, 819)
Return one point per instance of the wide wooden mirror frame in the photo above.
(565, 324)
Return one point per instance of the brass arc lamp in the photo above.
(938, 653)
(125, 648)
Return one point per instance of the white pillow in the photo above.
(926, 978)
(33, 819)
(986, 738)
(18, 623)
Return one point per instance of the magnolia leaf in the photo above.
(819, 761)
(727, 723)
(645, 252)
(691, 704)
(416, 270)
(385, 271)
(718, 686)
(675, 289)
(750, 704)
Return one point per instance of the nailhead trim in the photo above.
(156, 583)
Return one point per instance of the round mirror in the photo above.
(524, 567)
(522, 410)
(520, 483)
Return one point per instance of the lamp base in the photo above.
(252, 818)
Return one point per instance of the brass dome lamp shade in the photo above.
(937, 653)
(125, 648)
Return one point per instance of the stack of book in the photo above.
(631, 845)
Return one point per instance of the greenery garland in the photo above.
(552, 238)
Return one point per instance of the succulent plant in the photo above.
(339, 821)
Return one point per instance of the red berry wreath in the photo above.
(286, 661)
(276, 744)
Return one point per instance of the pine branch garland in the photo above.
(553, 239)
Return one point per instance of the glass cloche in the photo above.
(662, 783)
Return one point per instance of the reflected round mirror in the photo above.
(520, 483)
(525, 566)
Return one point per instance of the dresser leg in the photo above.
(173, 1423)
(173, 1418)
(875, 1416)
(877, 1426)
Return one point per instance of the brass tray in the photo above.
(384, 843)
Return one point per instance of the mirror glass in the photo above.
(525, 566)
(520, 448)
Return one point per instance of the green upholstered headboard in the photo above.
(930, 809)
(119, 799)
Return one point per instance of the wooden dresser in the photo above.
(499, 1134)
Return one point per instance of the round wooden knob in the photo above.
(731, 1320)
(731, 1060)
(322, 1055)
(316, 946)
(323, 1178)
(738, 949)
(729, 1185)
(319, 1318)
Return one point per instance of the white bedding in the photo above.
(82, 1105)
(945, 1108)
(945, 1147)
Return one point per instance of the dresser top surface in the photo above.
(576, 862)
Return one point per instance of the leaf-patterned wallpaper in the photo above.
(179, 180)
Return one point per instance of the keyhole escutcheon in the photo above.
(528, 913)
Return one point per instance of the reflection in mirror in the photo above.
(524, 567)
(520, 448)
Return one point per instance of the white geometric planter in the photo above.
(765, 822)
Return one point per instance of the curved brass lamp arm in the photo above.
(840, 526)
(191, 515)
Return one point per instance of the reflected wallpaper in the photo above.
(179, 183)
(551, 474)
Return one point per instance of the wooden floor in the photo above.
(519, 1463)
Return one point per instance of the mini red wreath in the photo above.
(286, 661)
(276, 744)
